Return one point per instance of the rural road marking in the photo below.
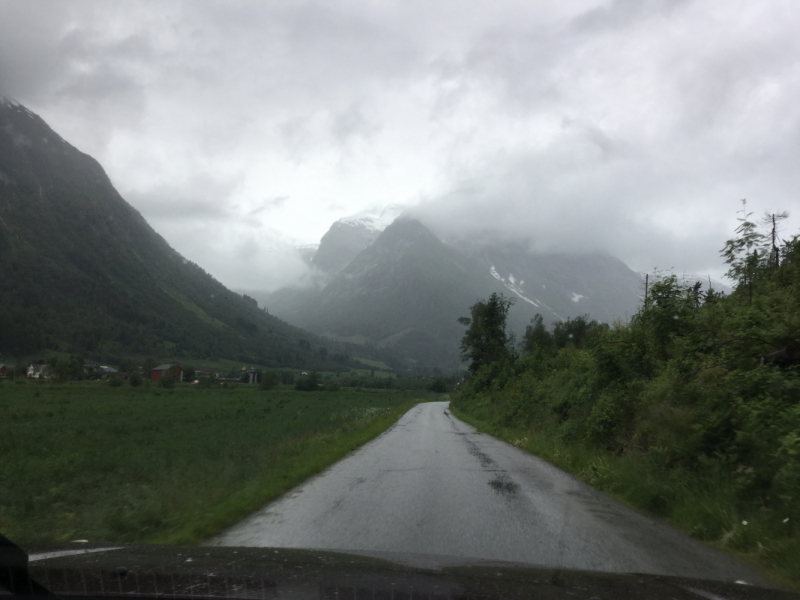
(58, 553)
(433, 485)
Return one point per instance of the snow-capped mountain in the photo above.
(404, 288)
(559, 286)
(349, 236)
(343, 241)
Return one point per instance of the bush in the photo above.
(308, 383)
(136, 379)
(167, 381)
(114, 381)
(268, 380)
(439, 386)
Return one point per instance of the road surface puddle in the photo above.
(503, 485)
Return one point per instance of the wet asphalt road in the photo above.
(433, 485)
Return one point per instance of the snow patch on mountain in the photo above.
(516, 289)
(373, 221)
(9, 101)
(510, 285)
(367, 222)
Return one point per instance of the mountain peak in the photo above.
(344, 240)
(364, 221)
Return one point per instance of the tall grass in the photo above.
(85, 461)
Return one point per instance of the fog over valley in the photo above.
(242, 131)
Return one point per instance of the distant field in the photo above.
(375, 364)
(87, 461)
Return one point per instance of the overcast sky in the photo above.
(241, 129)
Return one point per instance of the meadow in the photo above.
(88, 461)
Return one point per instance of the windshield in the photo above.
(432, 284)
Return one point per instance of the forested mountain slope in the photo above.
(82, 271)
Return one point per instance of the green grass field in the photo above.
(88, 461)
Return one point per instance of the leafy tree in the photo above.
(573, 331)
(486, 341)
(744, 252)
(114, 381)
(136, 379)
(536, 337)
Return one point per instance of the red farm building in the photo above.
(159, 371)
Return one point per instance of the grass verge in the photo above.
(87, 461)
(703, 507)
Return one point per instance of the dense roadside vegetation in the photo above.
(91, 461)
(691, 410)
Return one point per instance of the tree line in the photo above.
(703, 388)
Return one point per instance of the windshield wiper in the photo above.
(14, 576)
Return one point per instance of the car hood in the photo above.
(146, 570)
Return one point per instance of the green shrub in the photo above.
(136, 379)
(167, 381)
(439, 386)
(307, 383)
(269, 380)
(114, 381)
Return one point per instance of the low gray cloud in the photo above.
(242, 129)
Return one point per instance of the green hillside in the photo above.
(82, 271)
